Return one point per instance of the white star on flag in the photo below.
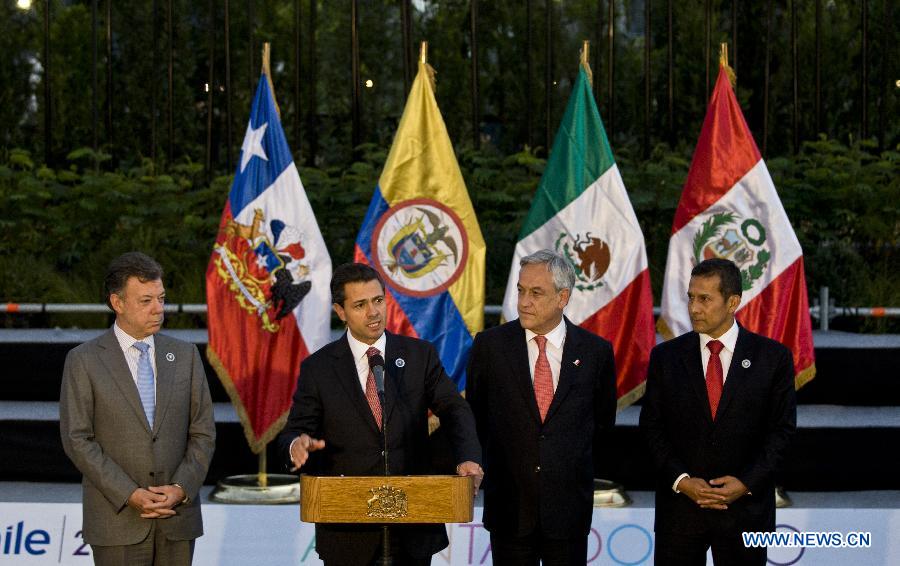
(253, 144)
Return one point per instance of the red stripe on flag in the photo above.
(627, 322)
(781, 312)
(725, 153)
(397, 321)
(265, 367)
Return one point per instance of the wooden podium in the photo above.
(386, 499)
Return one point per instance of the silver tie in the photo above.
(146, 387)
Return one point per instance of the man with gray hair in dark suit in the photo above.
(543, 391)
(136, 419)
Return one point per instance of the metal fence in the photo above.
(824, 314)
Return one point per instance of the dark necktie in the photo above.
(371, 393)
(714, 376)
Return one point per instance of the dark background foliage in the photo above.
(68, 206)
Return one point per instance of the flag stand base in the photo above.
(246, 489)
(781, 498)
(610, 494)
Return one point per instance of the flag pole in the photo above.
(262, 476)
(723, 62)
(586, 60)
(607, 493)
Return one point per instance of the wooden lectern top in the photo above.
(386, 499)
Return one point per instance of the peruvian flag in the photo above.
(267, 283)
(729, 209)
(582, 211)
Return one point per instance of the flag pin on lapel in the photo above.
(745, 364)
(170, 356)
(577, 363)
(400, 362)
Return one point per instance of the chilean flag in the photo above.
(729, 208)
(267, 283)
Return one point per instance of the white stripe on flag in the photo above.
(754, 196)
(604, 210)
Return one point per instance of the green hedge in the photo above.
(59, 228)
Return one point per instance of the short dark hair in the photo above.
(728, 272)
(351, 273)
(129, 264)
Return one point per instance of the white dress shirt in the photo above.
(728, 340)
(556, 339)
(361, 359)
(132, 355)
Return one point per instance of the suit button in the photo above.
(537, 469)
(541, 437)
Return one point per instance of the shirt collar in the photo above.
(556, 337)
(728, 340)
(126, 340)
(359, 348)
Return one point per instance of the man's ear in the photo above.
(564, 297)
(117, 303)
(734, 301)
(339, 310)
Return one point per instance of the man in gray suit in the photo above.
(136, 419)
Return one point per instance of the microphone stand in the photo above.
(386, 558)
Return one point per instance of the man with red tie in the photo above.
(336, 423)
(544, 396)
(718, 416)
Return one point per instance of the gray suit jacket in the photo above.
(105, 433)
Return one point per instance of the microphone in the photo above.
(376, 364)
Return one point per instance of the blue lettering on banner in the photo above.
(16, 540)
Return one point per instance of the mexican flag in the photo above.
(729, 208)
(582, 211)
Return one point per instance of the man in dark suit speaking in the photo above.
(544, 395)
(718, 416)
(136, 419)
(335, 423)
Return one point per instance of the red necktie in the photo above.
(543, 381)
(371, 393)
(714, 376)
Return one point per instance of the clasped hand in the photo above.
(718, 494)
(156, 502)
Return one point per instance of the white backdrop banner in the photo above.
(34, 534)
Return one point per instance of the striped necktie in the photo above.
(145, 385)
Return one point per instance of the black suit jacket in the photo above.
(755, 421)
(329, 404)
(540, 475)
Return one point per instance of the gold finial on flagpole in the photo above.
(423, 52)
(723, 62)
(267, 71)
(586, 60)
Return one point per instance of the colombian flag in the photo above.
(421, 234)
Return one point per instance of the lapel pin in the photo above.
(170, 356)
(577, 363)
(745, 364)
(400, 362)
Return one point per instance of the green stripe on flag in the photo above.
(580, 155)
